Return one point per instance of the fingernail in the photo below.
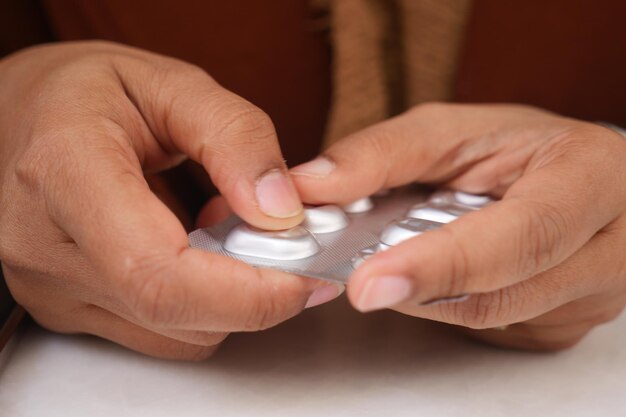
(324, 294)
(383, 292)
(320, 167)
(277, 196)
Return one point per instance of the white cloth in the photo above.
(330, 361)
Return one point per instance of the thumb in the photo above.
(188, 112)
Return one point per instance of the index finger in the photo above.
(187, 111)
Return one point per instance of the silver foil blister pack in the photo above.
(332, 241)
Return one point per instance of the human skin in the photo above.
(543, 266)
(86, 247)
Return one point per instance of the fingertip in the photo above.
(277, 196)
(324, 294)
(275, 202)
(386, 280)
(318, 168)
(269, 223)
(337, 177)
(379, 292)
(313, 178)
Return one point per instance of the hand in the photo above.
(547, 260)
(87, 247)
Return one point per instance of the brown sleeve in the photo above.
(22, 23)
(566, 56)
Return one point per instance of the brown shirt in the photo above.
(275, 54)
(272, 53)
(568, 56)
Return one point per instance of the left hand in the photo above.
(547, 261)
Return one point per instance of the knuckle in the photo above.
(152, 297)
(152, 306)
(459, 268)
(147, 301)
(588, 141)
(188, 70)
(541, 240)
(486, 310)
(11, 254)
(23, 193)
(173, 69)
(244, 125)
(260, 315)
(173, 72)
(31, 167)
(238, 125)
(269, 308)
(12, 250)
(379, 144)
(49, 167)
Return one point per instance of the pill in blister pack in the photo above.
(282, 245)
(398, 231)
(324, 219)
(459, 198)
(332, 241)
(439, 214)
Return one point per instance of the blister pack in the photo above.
(332, 241)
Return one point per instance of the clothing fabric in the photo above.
(326, 68)
(389, 56)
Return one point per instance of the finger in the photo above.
(187, 111)
(37, 293)
(541, 339)
(101, 323)
(593, 310)
(430, 143)
(592, 270)
(213, 212)
(140, 248)
(561, 328)
(543, 219)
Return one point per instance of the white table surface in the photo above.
(328, 361)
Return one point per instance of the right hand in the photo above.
(87, 247)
